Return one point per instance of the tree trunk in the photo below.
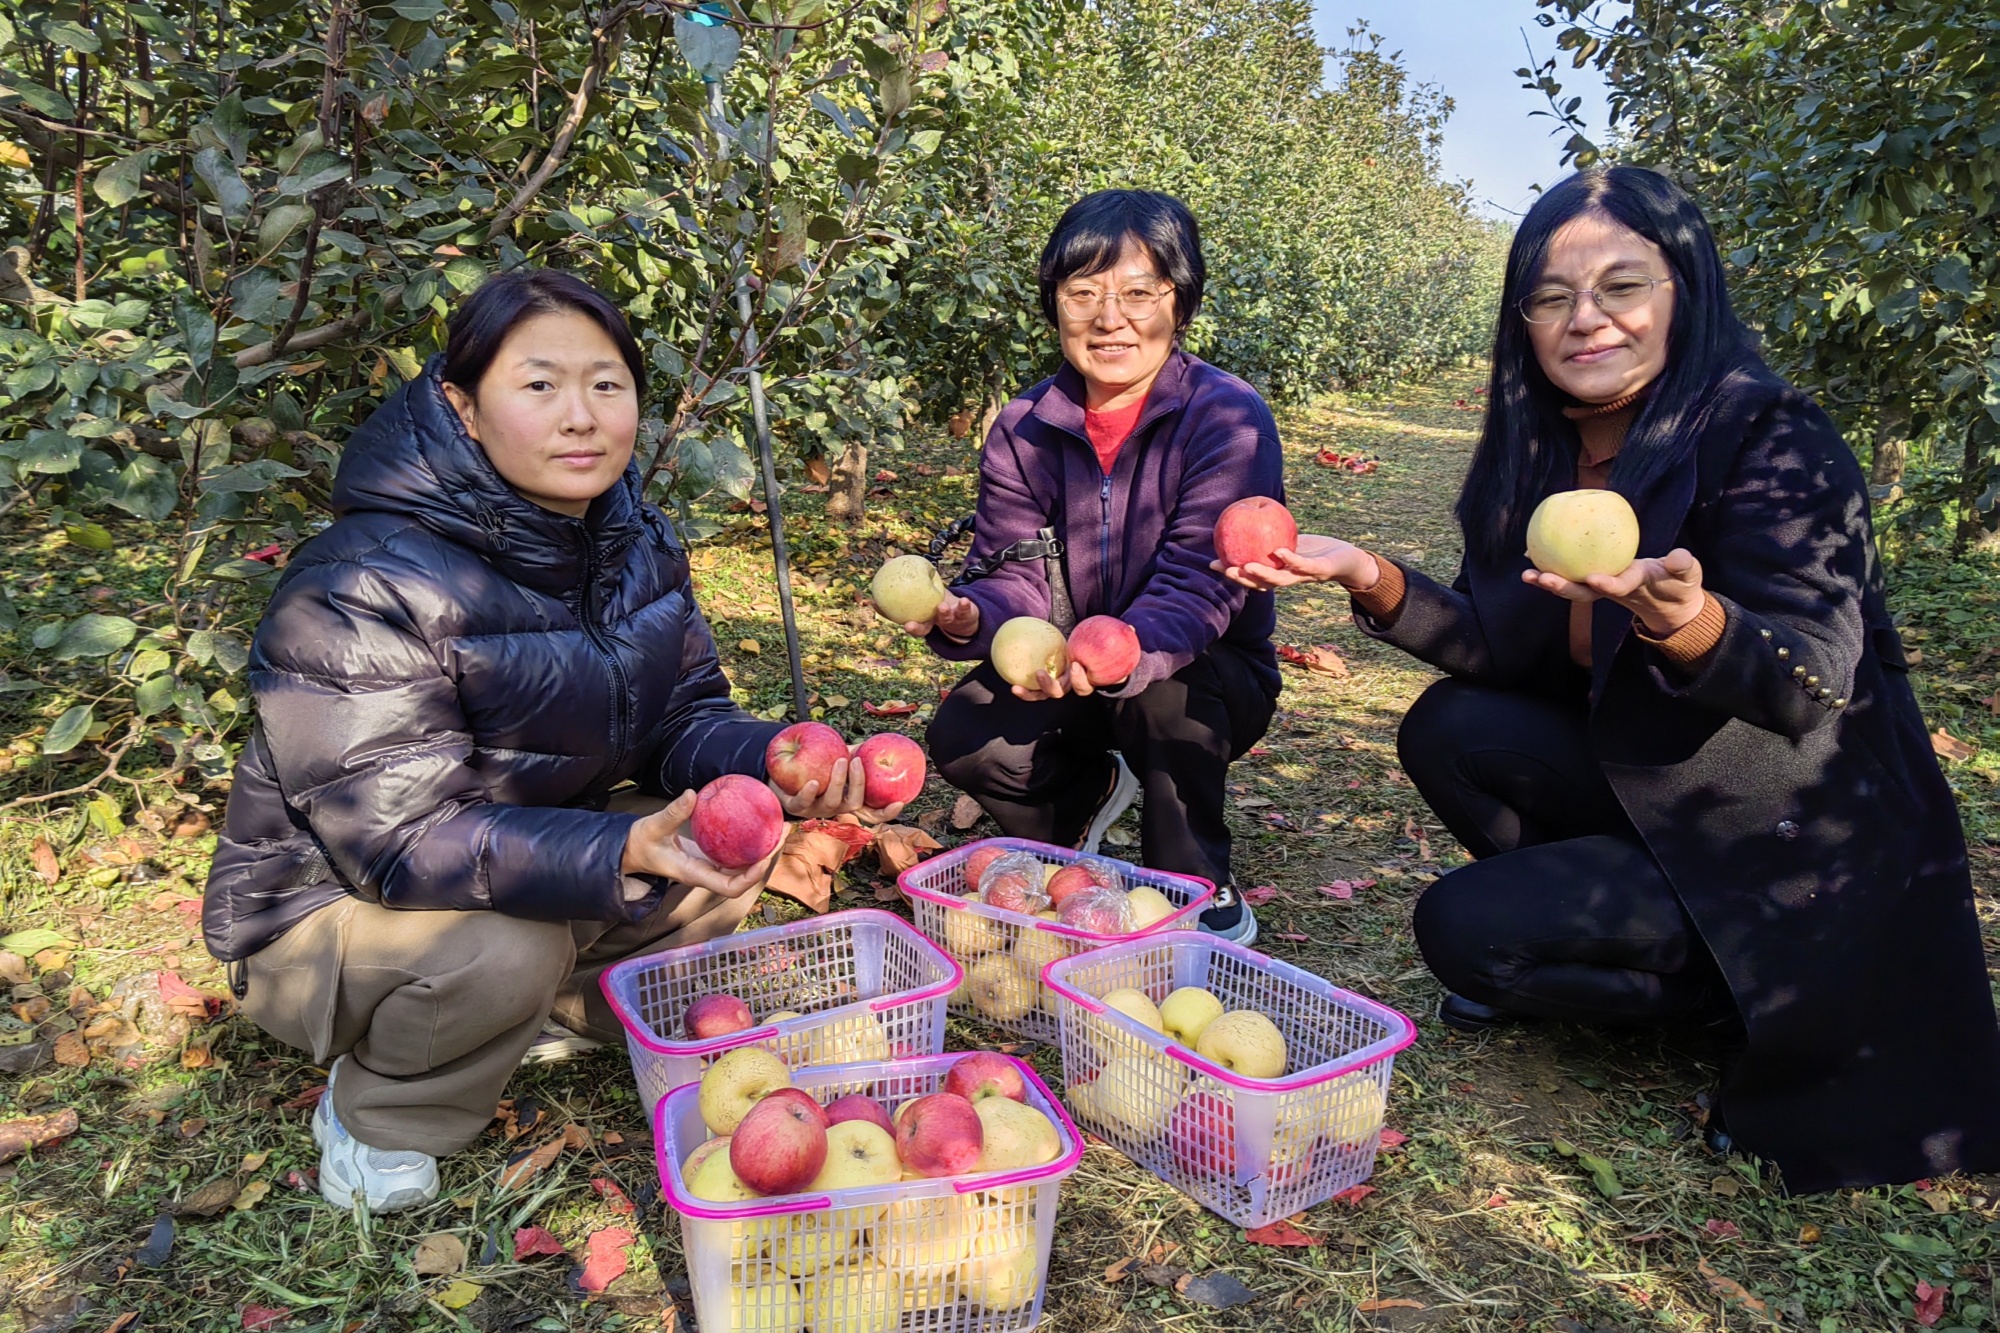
(1979, 482)
(848, 497)
(1892, 445)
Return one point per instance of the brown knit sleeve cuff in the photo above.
(1385, 598)
(1692, 642)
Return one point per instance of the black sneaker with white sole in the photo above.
(1124, 791)
(1229, 917)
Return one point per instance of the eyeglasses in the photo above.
(1133, 302)
(1555, 305)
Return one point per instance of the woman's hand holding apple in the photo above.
(1315, 559)
(1663, 592)
(653, 847)
(1072, 681)
(845, 794)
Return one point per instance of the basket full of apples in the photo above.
(1254, 1087)
(1005, 908)
(850, 1198)
(833, 989)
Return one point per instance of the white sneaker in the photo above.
(1124, 790)
(555, 1043)
(348, 1167)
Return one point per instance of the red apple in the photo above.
(1251, 530)
(1107, 647)
(939, 1135)
(1089, 873)
(858, 1106)
(895, 767)
(717, 1016)
(737, 821)
(1013, 891)
(985, 1074)
(1099, 911)
(803, 753)
(781, 1144)
(975, 865)
(1202, 1135)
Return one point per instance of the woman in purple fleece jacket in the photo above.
(1129, 453)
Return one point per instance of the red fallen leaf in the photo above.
(531, 1241)
(188, 907)
(305, 1100)
(1354, 784)
(1340, 888)
(1479, 393)
(1259, 750)
(1389, 1303)
(1721, 1230)
(604, 1258)
(1497, 1200)
(1260, 895)
(185, 1000)
(1930, 1303)
(1353, 1195)
(47, 866)
(608, 1191)
(263, 1316)
(305, 1182)
(449, 251)
(893, 708)
(856, 837)
(1323, 658)
(1921, 1185)
(1280, 1234)
(1292, 939)
(266, 555)
(885, 475)
(1393, 1139)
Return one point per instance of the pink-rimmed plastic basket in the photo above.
(1003, 952)
(969, 1254)
(1252, 1149)
(865, 984)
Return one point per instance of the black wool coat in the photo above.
(1789, 792)
(450, 680)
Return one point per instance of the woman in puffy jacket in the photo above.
(426, 851)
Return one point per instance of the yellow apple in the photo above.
(1185, 1012)
(783, 1014)
(1016, 1135)
(802, 1244)
(1135, 1005)
(859, 1153)
(1580, 533)
(1244, 1042)
(967, 934)
(922, 1235)
(861, 1297)
(1134, 1094)
(1149, 906)
(1036, 949)
(1356, 1109)
(716, 1181)
(737, 1082)
(702, 1152)
(762, 1300)
(1003, 1269)
(853, 1039)
(1081, 1098)
(1002, 989)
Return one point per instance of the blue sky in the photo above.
(1471, 48)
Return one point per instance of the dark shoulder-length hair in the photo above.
(478, 327)
(1091, 232)
(1528, 448)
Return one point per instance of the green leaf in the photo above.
(34, 940)
(44, 100)
(51, 451)
(255, 294)
(1928, 1246)
(249, 478)
(709, 49)
(147, 663)
(1602, 1174)
(154, 695)
(95, 636)
(241, 571)
(218, 173)
(145, 487)
(280, 223)
(122, 181)
(90, 536)
(230, 652)
(74, 36)
(67, 731)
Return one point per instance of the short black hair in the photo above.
(1094, 229)
(479, 326)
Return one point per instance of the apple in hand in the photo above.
(1579, 533)
(781, 1144)
(716, 1016)
(907, 589)
(735, 1083)
(1244, 1042)
(894, 767)
(858, 1106)
(939, 1135)
(1185, 1012)
(1107, 647)
(737, 821)
(804, 753)
(984, 1074)
(1253, 531)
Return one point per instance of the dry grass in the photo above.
(1479, 1222)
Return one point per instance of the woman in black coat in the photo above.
(1699, 790)
(425, 851)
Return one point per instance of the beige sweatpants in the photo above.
(436, 1009)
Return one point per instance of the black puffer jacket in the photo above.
(450, 680)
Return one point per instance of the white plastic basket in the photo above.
(1253, 1150)
(968, 1254)
(866, 986)
(1003, 953)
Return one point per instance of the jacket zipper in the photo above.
(621, 704)
(1104, 540)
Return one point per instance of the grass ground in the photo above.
(1483, 1220)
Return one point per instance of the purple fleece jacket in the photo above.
(1139, 540)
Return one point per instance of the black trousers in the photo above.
(1564, 914)
(1041, 770)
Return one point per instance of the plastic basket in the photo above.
(1004, 952)
(965, 1255)
(1253, 1150)
(865, 984)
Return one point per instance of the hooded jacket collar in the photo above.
(413, 458)
(1062, 406)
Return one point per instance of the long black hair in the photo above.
(1528, 448)
(1092, 231)
(478, 327)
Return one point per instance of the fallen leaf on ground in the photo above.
(253, 1162)
(159, 1244)
(52, 960)
(1727, 1186)
(889, 708)
(122, 1322)
(1728, 1288)
(1280, 1234)
(47, 867)
(210, 1199)
(1340, 888)
(609, 1191)
(1393, 1139)
(437, 1254)
(257, 1317)
(1217, 1291)
(305, 1182)
(525, 1165)
(899, 846)
(1354, 1194)
(1323, 658)
(193, 1126)
(13, 968)
(532, 1241)
(1389, 1303)
(1720, 1229)
(35, 939)
(575, 1136)
(1929, 1303)
(250, 1195)
(1809, 1234)
(1291, 938)
(1119, 1271)
(817, 468)
(604, 1258)
(185, 1000)
(197, 1056)
(306, 1100)
(965, 812)
(1260, 895)
(457, 1295)
(35, 1131)
(1948, 746)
